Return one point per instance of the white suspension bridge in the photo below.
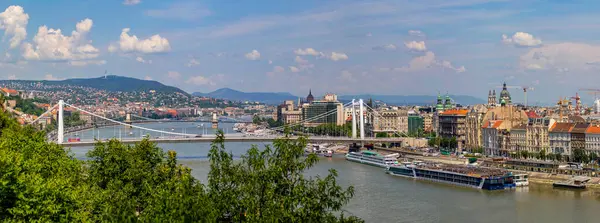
(362, 116)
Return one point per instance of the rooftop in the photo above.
(456, 112)
(562, 127)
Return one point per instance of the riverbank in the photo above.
(534, 177)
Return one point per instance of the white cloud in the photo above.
(416, 33)
(387, 47)
(192, 63)
(127, 44)
(299, 60)
(49, 77)
(270, 62)
(173, 75)
(278, 69)
(424, 62)
(294, 69)
(199, 80)
(141, 60)
(148, 78)
(80, 63)
(562, 57)
(416, 45)
(348, 76)
(12, 77)
(14, 23)
(131, 2)
(254, 55)
(521, 39)
(52, 45)
(307, 51)
(338, 56)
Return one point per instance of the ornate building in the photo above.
(492, 99)
(474, 122)
(391, 121)
(452, 123)
(505, 96)
(310, 98)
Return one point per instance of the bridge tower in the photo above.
(353, 120)
(60, 135)
(128, 119)
(362, 118)
(215, 121)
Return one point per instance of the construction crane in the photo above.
(524, 88)
(562, 103)
(593, 91)
(577, 103)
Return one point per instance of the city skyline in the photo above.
(402, 48)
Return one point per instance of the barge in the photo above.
(469, 176)
(574, 183)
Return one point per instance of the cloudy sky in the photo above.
(380, 47)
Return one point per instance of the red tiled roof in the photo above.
(562, 127)
(456, 112)
(10, 91)
(532, 114)
(492, 124)
(593, 129)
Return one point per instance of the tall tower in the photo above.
(310, 98)
(215, 121)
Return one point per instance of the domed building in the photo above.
(505, 96)
(310, 98)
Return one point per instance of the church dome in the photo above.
(505, 95)
(310, 97)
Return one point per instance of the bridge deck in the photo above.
(238, 139)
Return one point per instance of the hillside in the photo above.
(109, 83)
(279, 97)
(264, 97)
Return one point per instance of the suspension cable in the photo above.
(125, 124)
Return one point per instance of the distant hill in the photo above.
(414, 99)
(264, 97)
(112, 83)
(279, 97)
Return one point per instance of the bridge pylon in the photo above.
(128, 120)
(61, 130)
(215, 121)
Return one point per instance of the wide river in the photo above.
(383, 198)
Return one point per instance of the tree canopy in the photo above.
(41, 181)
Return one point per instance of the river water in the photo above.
(383, 198)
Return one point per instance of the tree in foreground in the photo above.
(268, 185)
(43, 182)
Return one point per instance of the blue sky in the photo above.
(346, 47)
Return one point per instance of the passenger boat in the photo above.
(373, 158)
(521, 180)
(468, 176)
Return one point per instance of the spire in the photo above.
(504, 86)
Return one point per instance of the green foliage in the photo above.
(543, 155)
(580, 156)
(27, 105)
(593, 157)
(41, 182)
(381, 135)
(269, 185)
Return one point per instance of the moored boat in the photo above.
(468, 176)
(521, 180)
(574, 183)
(373, 158)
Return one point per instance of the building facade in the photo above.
(560, 138)
(391, 121)
(415, 123)
(452, 123)
(326, 111)
(592, 139)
